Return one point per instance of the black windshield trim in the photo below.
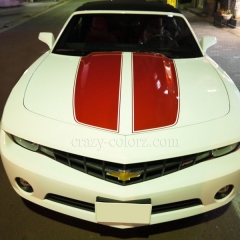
(128, 6)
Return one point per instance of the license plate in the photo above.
(123, 212)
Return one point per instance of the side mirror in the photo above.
(47, 38)
(206, 42)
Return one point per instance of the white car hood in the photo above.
(92, 92)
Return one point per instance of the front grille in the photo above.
(149, 170)
(155, 209)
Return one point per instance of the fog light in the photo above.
(24, 185)
(223, 192)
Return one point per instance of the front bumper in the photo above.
(192, 190)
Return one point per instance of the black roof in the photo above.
(131, 5)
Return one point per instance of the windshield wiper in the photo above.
(74, 52)
(170, 54)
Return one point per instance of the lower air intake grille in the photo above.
(71, 202)
(155, 209)
(176, 206)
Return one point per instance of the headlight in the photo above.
(47, 151)
(26, 144)
(203, 156)
(224, 150)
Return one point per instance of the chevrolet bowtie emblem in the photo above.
(124, 175)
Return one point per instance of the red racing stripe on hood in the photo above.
(156, 101)
(96, 98)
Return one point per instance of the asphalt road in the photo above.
(22, 220)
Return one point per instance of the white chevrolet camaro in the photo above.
(125, 121)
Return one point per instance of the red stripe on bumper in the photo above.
(155, 92)
(96, 98)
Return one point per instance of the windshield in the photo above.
(167, 35)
